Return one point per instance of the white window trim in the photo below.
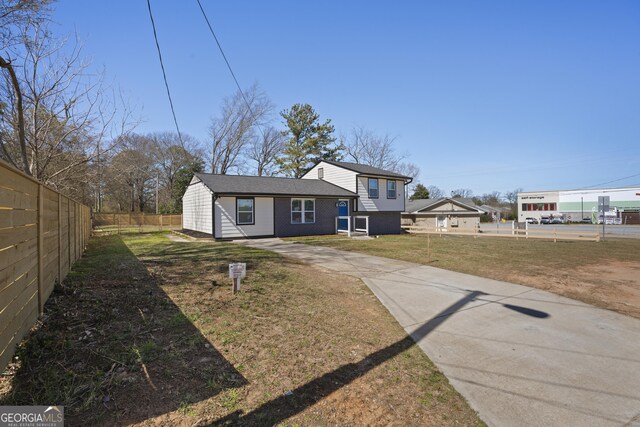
(303, 211)
(395, 189)
(369, 188)
(253, 211)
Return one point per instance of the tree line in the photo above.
(494, 199)
(69, 128)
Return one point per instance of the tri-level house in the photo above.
(333, 197)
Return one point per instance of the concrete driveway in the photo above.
(519, 355)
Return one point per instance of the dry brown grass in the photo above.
(605, 274)
(146, 332)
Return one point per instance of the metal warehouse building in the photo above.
(574, 205)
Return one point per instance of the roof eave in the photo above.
(405, 178)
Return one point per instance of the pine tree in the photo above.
(420, 192)
(309, 140)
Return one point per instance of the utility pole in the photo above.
(157, 186)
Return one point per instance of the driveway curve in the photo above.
(519, 355)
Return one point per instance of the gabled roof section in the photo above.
(368, 170)
(272, 186)
(421, 205)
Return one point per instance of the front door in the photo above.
(343, 210)
(441, 221)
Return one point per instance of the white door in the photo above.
(441, 221)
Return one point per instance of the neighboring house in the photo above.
(235, 206)
(495, 213)
(444, 212)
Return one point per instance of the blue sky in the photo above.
(489, 95)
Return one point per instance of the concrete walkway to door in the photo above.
(520, 356)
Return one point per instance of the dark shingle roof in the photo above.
(367, 170)
(421, 204)
(416, 205)
(262, 185)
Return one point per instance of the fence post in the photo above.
(81, 227)
(69, 230)
(160, 222)
(59, 238)
(40, 247)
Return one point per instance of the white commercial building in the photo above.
(576, 205)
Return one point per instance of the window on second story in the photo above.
(373, 188)
(391, 189)
(320, 173)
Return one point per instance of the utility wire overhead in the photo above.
(612, 181)
(213, 33)
(164, 74)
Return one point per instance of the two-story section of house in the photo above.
(380, 193)
(332, 197)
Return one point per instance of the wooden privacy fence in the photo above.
(549, 234)
(128, 220)
(42, 233)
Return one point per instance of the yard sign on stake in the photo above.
(237, 271)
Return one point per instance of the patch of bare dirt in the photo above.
(613, 285)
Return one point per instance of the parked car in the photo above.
(545, 220)
(586, 220)
(557, 221)
(531, 220)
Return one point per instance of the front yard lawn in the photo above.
(145, 331)
(605, 274)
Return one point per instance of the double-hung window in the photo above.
(373, 188)
(391, 189)
(244, 212)
(303, 211)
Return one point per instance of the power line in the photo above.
(615, 180)
(164, 74)
(213, 33)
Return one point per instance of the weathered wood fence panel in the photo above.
(42, 233)
(136, 220)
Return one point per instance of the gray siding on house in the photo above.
(326, 212)
(384, 222)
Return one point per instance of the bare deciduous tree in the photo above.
(132, 173)
(462, 192)
(365, 147)
(170, 156)
(235, 128)
(265, 149)
(492, 199)
(435, 192)
(15, 14)
(57, 118)
(512, 198)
